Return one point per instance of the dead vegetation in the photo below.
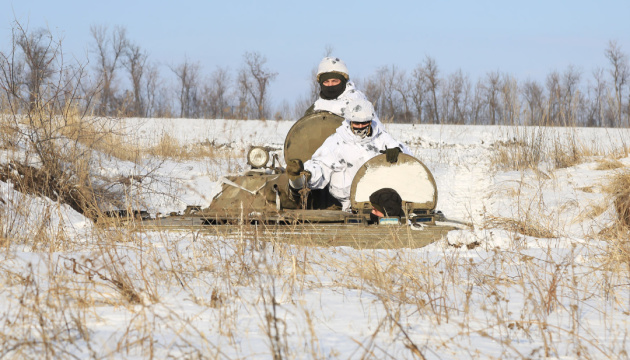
(210, 295)
(541, 148)
(609, 164)
(171, 148)
(113, 292)
(618, 190)
(521, 226)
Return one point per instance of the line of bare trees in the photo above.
(566, 98)
(123, 81)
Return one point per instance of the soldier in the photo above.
(385, 202)
(336, 89)
(337, 161)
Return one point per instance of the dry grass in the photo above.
(620, 187)
(536, 147)
(521, 226)
(116, 293)
(169, 147)
(567, 155)
(619, 191)
(233, 282)
(608, 164)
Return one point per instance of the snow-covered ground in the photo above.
(536, 279)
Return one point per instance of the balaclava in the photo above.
(331, 92)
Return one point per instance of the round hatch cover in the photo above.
(308, 134)
(409, 177)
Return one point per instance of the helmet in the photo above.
(332, 65)
(359, 111)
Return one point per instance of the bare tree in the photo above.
(455, 93)
(284, 111)
(108, 52)
(134, 61)
(596, 95)
(401, 86)
(510, 104)
(242, 109)
(379, 89)
(533, 93)
(373, 89)
(570, 96)
(220, 90)
(44, 115)
(477, 103)
(554, 89)
(431, 72)
(11, 73)
(492, 90)
(392, 87)
(419, 92)
(39, 50)
(254, 80)
(620, 73)
(152, 86)
(187, 75)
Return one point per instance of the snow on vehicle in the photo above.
(257, 203)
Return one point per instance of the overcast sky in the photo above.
(527, 39)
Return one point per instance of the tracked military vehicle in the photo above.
(258, 204)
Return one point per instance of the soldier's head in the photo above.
(359, 113)
(332, 76)
(385, 202)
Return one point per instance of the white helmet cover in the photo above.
(359, 110)
(331, 64)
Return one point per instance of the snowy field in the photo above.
(533, 278)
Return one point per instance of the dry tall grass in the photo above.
(531, 147)
(112, 292)
(200, 295)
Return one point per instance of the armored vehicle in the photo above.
(258, 204)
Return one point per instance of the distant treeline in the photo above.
(121, 80)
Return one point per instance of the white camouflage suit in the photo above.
(341, 156)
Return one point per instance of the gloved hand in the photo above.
(391, 155)
(294, 168)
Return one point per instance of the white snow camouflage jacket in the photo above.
(341, 156)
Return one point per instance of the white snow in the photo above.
(493, 291)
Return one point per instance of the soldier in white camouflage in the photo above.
(337, 161)
(336, 89)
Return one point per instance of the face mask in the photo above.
(332, 92)
(363, 132)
